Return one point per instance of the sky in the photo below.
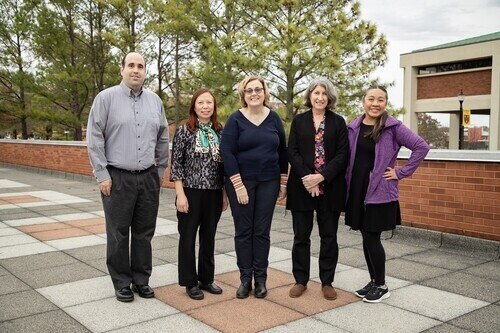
(412, 25)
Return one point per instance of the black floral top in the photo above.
(319, 152)
(195, 169)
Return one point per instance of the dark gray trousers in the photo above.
(131, 208)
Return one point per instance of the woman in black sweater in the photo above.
(317, 152)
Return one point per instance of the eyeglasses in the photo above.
(250, 91)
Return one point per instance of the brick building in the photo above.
(434, 76)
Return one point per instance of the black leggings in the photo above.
(374, 255)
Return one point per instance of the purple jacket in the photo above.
(393, 136)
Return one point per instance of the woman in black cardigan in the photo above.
(317, 152)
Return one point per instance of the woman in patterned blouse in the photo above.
(197, 173)
(317, 152)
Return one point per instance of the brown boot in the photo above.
(297, 290)
(329, 292)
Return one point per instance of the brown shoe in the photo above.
(329, 292)
(297, 290)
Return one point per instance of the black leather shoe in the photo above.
(211, 288)
(244, 290)
(143, 290)
(260, 290)
(124, 294)
(195, 293)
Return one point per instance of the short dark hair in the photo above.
(125, 57)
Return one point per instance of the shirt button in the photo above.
(138, 136)
(139, 148)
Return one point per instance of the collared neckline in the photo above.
(129, 92)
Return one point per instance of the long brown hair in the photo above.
(193, 118)
(374, 134)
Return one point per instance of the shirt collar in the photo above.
(129, 92)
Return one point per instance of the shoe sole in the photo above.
(125, 300)
(260, 296)
(385, 296)
(359, 295)
(242, 296)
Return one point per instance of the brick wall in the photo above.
(63, 157)
(448, 85)
(455, 197)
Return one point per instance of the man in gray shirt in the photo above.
(127, 142)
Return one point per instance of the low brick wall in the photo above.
(460, 197)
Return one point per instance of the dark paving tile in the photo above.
(88, 252)
(284, 245)
(10, 284)
(484, 320)
(350, 238)
(48, 322)
(3, 271)
(467, 285)
(37, 261)
(57, 275)
(489, 270)
(446, 328)
(443, 259)
(412, 271)
(24, 303)
(397, 250)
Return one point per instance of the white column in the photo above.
(495, 102)
(409, 97)
(454, 130)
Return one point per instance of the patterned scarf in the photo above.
(207, 141)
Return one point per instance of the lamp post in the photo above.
(461, 98)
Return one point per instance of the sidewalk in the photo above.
(53, 276)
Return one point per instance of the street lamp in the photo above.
(461, 98)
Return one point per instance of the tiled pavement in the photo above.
(53, 276)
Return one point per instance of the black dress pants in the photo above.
(205, 208)
(132, 208)
(252, 224)
(329, 251)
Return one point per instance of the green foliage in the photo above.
(56, 55)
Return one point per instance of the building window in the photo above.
(455, 66)
(434, 128)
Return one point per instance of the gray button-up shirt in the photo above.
(127, 131)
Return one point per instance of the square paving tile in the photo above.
(312, 300)
(108, 314)
(75, 242)
(306, 325)
(467, 285)
(175, 296)
(95, 229)
(36, 262)
(86, 222)
(352, 256)
(8, 231)
(486, 320)
(57, 275)
(163, 275)
(176, 323)
(15, 199)
(48, 322)
(352, 318)
(411, 270)
(43, 227)
(6, 183)
(59, 234)
(445, 260)
(10, 284)
(23, 304)
(88, 252)
(446, 328)
(16, 240)
(433, 303)
(239, 315)
(489, 270)
(29, 221)
(275, 278)
(78, 292)
(25, 250)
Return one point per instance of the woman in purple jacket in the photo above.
(372, 182)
